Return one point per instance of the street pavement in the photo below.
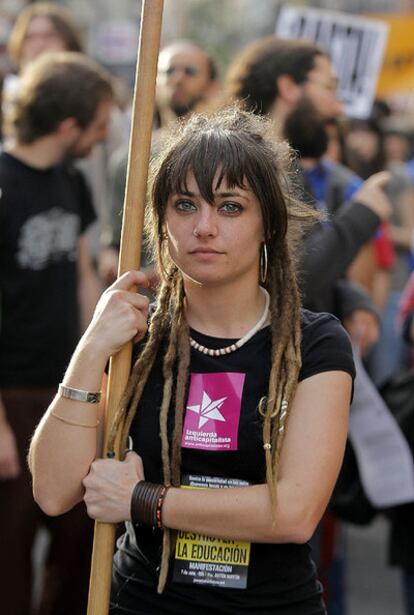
(373, 588)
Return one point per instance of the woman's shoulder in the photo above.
(325, 345)
(314, 321)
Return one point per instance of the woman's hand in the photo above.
(109, 486)
(120, 315)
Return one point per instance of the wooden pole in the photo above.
(130, 251)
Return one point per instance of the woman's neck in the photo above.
(227, 312)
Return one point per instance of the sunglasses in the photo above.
(189, 71)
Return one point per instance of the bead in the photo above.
(228, 349)
(267, 446)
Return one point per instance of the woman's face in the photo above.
(41, 36)
(218, 243)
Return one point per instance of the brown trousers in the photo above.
(66, 573)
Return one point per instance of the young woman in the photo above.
(218, 512)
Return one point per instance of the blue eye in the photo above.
(231, 208)
(184, 206)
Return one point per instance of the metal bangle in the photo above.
(79, 395)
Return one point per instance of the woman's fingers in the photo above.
(120, 315)
(129, 279)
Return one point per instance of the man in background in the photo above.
(187, 79)
(294, 83)
(48, 291)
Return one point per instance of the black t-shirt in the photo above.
(222, 446)
(42, 215)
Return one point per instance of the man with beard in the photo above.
(187, 81)
(48, 293)
(294, 83)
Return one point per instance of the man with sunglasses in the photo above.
(187, 78)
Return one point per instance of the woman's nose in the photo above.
(205, 224)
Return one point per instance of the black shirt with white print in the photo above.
(43, 212)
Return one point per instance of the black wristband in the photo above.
(146, 503)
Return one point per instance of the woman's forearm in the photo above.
(243, 513)
(68, 438)
(66, 441)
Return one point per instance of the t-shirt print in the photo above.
(213, 412)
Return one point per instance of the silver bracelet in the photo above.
(79, 395)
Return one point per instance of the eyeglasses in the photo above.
(189, 70)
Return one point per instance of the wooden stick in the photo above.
(130, 251)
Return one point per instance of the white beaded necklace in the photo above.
(228, 349)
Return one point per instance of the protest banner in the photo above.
(356, 46)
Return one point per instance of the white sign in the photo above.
(384, 457)
(356, 46)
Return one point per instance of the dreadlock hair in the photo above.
(231, 144)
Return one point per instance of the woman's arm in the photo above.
(61, 453)
(310, 462)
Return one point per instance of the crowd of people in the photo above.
(280, 245)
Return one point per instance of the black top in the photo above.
(331, 246)
(42, 215)
(222, 446)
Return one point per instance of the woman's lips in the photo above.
(205, 253)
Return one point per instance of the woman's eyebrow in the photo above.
(186, 193)
(229, 194)
(216, 194)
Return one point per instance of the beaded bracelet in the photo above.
(146, 503)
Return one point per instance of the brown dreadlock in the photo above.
(234, 144)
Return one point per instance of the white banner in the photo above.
(356, 46)
(384, 457)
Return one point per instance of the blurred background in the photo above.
(223, 28)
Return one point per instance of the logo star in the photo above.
(208, 409)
